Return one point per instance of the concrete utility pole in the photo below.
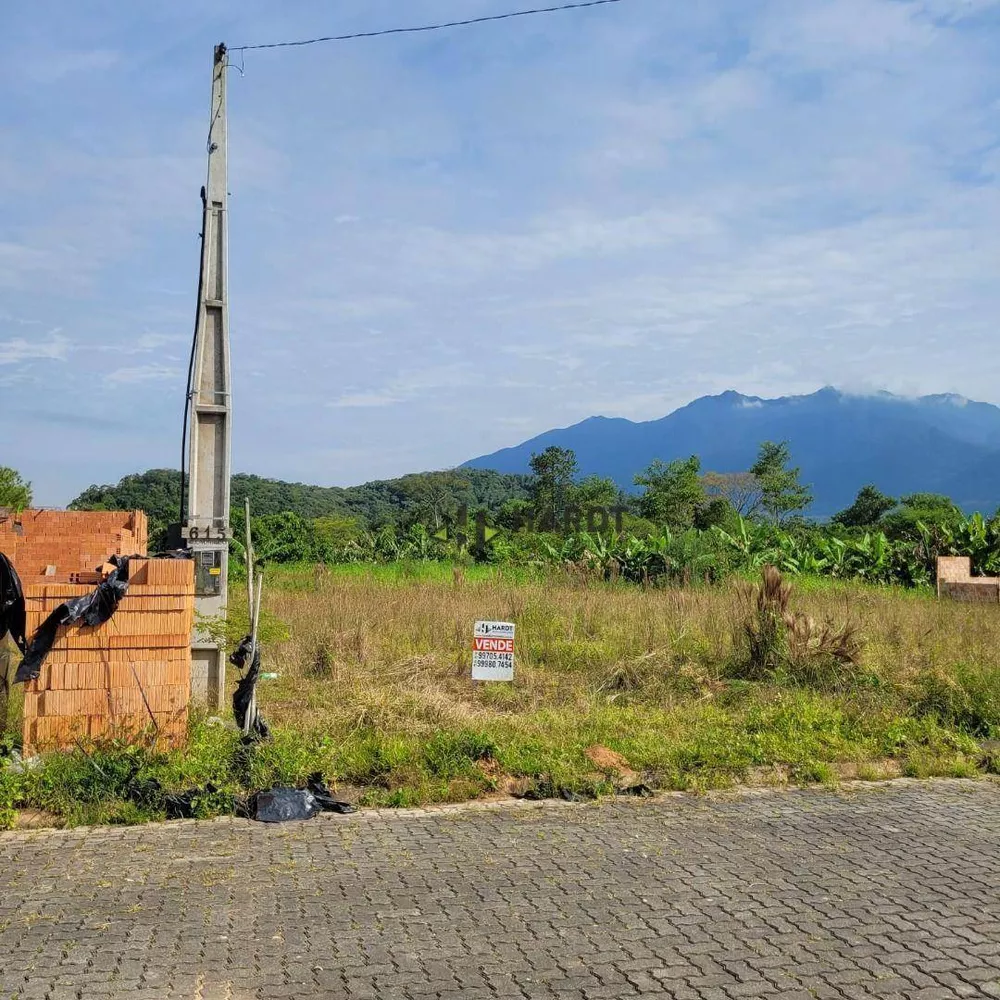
(206, 528)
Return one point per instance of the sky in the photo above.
(445, 243)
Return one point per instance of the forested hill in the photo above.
(390, 501)
(946, 444)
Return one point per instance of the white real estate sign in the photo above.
(493, 651)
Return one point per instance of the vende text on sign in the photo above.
(493, 651)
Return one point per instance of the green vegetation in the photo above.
(687, 688)
(645, 554)
(673, 493)
(15, 493)
(332, 514)
(553, 472)
(718, 637)
(867, 511)
(683, 525)
(781, 493)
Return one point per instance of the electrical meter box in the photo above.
(208, 572)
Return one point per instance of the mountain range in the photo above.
(841, 441)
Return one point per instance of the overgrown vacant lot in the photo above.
(615, 686)
(376, 663)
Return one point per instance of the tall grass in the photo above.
(374, 687)
(382, 659)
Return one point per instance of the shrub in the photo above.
(762, 633)
(772, 639)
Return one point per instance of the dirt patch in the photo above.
(504, 785)
(613, 764)
(491, 769)
(36, 819)
(768, 777)
(606, 759)
(879, 770)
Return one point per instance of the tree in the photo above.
(432, 495)
(515, 514)
(741, 490)
(333, 533)
(930, 509)
(554, 471)
(595, 491)
(395, 501)
(673, 492)
(15, 493)
(781, 493)
(283, 538)
(868, 509)
(716, 511)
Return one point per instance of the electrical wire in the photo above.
(426, 27)
(189, 393)
(578, 5)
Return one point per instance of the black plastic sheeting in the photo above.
(276, 805)
(286, 805)
(243, 695)
(91, 609)
(12, 613)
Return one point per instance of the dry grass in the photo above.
(398, 652)
(362, 644)
(382, 657)
(615, 685)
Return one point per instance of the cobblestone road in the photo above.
(889, 892)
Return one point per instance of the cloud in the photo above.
(957, 10)
(20, 350)
(50, 68)
(364, 399)
(442, 243)
(6, 317)
(828, 33)
(412, 384)
(145, 343)
(567, 235)
(145, 373)
(19, 264)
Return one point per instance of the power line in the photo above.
(426, 27)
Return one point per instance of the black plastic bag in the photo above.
(243, 694)
(285, 805)
(12, 613)
(324, 797)
(91, 609)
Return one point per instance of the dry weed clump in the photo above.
(826, 655)
(774, 639)
(763, 629)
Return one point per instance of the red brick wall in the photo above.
(97, 681)
(71, 541)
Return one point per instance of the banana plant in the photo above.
(747, 543)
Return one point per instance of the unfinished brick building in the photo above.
(131, 674)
